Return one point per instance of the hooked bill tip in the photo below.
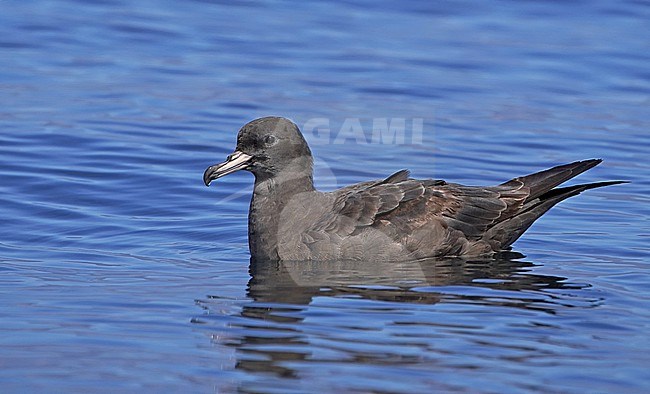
(207, 178)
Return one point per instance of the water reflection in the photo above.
(315, 311)
(298, 282)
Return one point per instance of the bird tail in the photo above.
(543, 196)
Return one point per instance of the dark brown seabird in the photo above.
(397, 218)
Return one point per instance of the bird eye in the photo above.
(269, 140)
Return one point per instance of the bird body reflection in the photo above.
(350, 299)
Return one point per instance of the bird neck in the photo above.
(283, 184)
(270, 197)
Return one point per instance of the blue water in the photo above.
(121, 272)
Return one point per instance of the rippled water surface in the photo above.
(121, 272)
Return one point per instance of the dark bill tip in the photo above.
(235, 162)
